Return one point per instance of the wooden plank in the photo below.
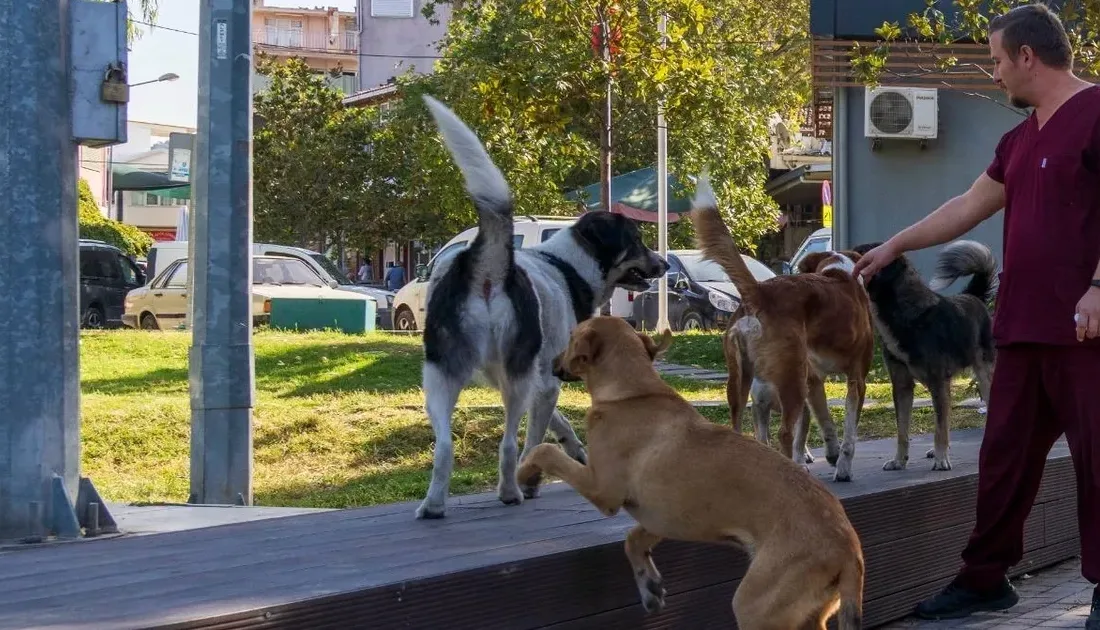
(552, 562)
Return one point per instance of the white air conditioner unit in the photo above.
(895, 112)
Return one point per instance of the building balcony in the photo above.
(298, 42)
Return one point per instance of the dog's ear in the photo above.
(583, 351)
(810, 262)
(656, 348)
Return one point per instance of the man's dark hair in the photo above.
(1037, 27)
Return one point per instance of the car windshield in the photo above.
(283, 271)
(331, 268)
(703, 270)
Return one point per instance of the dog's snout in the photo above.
(660, 265)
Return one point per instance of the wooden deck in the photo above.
(553, 562)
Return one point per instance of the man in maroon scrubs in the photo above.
(1045, 173)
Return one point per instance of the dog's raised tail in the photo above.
(850, 615)
(967, 258)
(713, 237)
(487, 188)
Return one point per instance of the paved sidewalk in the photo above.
(1057, 597)
(718, 378)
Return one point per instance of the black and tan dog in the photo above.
(683, 477)
(929, 338)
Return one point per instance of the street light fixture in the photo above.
(168, 76)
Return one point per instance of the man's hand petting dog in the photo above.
(1088, 315)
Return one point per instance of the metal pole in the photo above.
(221, 359)
(39, 282)
(662, 199)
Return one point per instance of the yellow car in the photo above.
(162, 304)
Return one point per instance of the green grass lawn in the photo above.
(338, 419)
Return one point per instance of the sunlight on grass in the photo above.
(338, 419)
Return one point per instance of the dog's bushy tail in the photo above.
(492, 248)
(850, 615)
(713, 237)
(967, 258)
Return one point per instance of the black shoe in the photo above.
(955, 602)
(1093, 622)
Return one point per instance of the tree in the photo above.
(312, 169)
(524, 76)
(94, 225)
(936, 31)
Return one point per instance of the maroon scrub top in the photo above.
(1051, 222)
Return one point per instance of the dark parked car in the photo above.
(700, 294)
(106, 276)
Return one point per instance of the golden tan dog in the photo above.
(797, 330)
(683, 477)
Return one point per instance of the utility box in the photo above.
(99, 76)
(346, 315)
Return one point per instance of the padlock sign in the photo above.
(115, 89)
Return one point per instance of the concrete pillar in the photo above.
(39, 282)
(222, 370)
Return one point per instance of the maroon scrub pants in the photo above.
(1038, 393)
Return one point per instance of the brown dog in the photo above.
(797, 330)
(683, 477)
(742, 384)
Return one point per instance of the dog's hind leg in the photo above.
(763, 399)
(902, 385)
(517, 400)
(567, 437)
(543, 405)
(820, 405)
(442, 390)
(639, 551)
(775, 595)
(941, 401)
(853, 403)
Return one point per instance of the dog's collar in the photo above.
(580, 292)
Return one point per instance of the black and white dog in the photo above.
(930, 337)
(508, 313)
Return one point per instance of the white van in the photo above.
(411, 302)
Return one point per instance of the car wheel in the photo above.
(149, 322)
(405, 320)
(691, 321)
(93, 317)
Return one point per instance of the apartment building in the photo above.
(395, 37)
(326, 39)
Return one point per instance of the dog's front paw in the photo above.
(530, 490)
(895, 464)
(429, 510)
(653, 594)
(809, 457)
(843, 470)
(578, 453)
(941, 463)
(931, 453)
(509, 493)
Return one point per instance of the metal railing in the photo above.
(346, 42)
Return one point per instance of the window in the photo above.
(546, 234)
(126, 270)
(97, 263)
(391, 8)
(178, 279)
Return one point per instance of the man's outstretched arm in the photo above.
(954, 218)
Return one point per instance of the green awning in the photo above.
(180, 192)
(126, 177)
(636, 189)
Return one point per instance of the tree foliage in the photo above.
(524, 76)
(313, 162)
(969, 23)
(94, 225)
